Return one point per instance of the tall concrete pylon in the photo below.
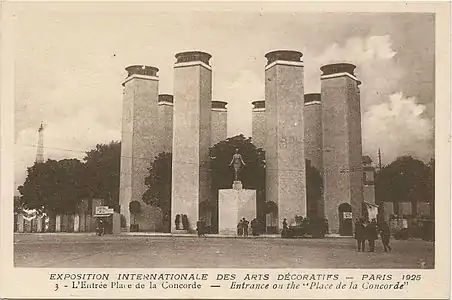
(165, 116)
(258, 123)
(342, 144)
(140, 143)
(219, 123)
(284, 142)
(313, 148)
(191, 135)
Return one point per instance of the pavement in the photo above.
(139, 250)
(161, 234)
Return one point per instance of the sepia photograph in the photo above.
(205, 138)
(325, 147)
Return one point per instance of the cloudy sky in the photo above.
(69, 67)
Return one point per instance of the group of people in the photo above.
(242, 227)
(368, 231)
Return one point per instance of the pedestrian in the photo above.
(284, 228)
(326, 228)
(284, 224)
(100, 227)
(385, 236)
(240, 228)
(245, 227)
(372, 234)
(200, 228)
(360, 235)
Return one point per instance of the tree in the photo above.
(252, 175)
(18, 205)
(404, 180)
(314, 190)
(158, 184)
(102, 173)
(53, 186)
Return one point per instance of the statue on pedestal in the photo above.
(237, 162)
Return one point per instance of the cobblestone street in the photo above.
(88, 250)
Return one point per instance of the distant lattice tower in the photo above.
(40, 151)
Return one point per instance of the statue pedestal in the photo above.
(237, 185)
(233, 205)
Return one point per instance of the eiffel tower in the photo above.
(40, 151)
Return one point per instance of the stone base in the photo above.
(179, 231)
(233, 205)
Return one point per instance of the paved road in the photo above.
(82, 250)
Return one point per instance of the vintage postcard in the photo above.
(225, 150)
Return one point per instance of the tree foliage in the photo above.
(314, 189)
(252, 175)
(58, 186)
(53, 186)
(102, 167)
(405, 180)
(158, 183)
(18, 205)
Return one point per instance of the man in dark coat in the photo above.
(240, 228)
(360, 235)
(372, 234)
(254, 227)
(200, 227)
(284, 224)
(245, 227)
(385, 236)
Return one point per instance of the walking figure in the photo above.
(372, 234)
(360, 235)
(100, 230)
(245, 226)
(240, 228)
(284, 228)
(284, 224)
(385, 236)
(200, 227)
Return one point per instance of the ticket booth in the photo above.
(107, 219)
(345, 220)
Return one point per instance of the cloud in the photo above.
(398, 127)
(390, 121)
(373, 57)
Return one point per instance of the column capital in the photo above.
(283, 55)
(192, 56)
(219, 104)
(338, 70)
(142, 70)
(258, 104)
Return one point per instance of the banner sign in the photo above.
(103, 210)
(347, 215)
